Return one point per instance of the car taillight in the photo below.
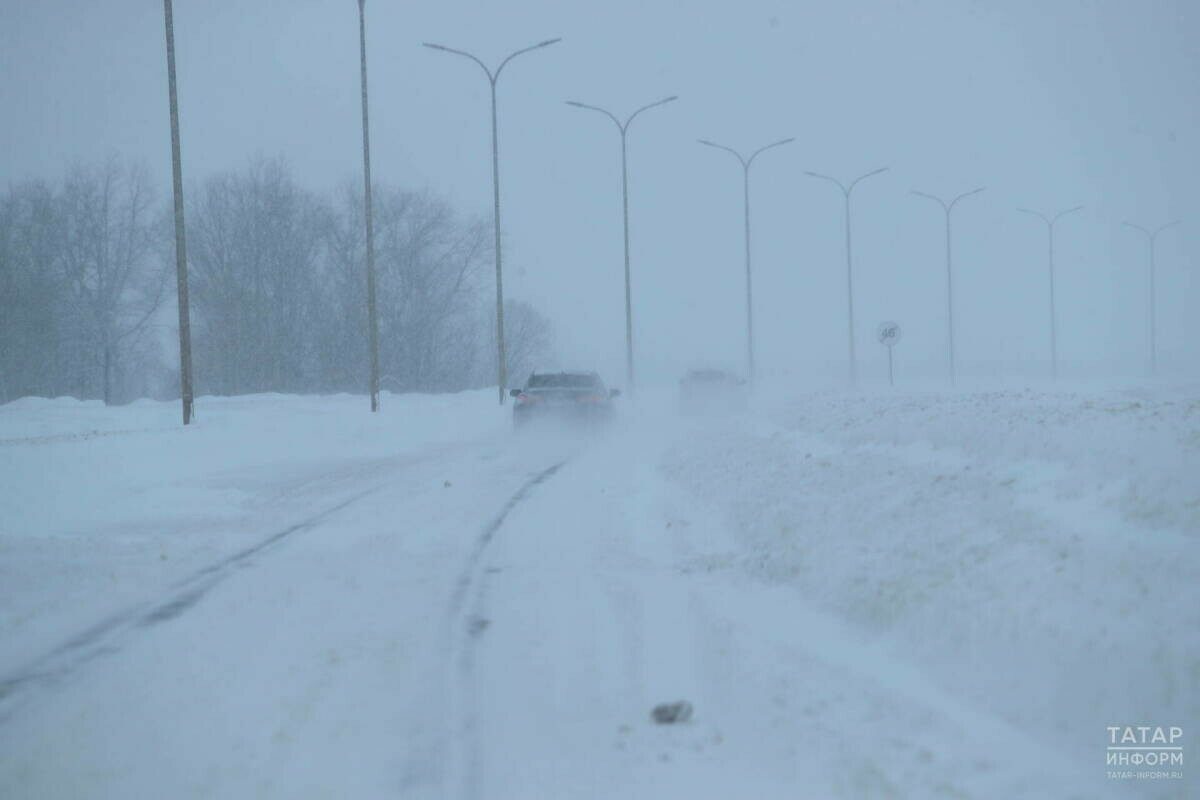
(525, 398)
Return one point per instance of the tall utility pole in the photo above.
(1050, 222)
(1152, 237)
(746, 162)
(846, 190)
(372, 318)
(623, 127)
(947, 208)
(181, 276)
(493, 76)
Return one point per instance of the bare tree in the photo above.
(434, 265)
(431, 266)
(275, 282)
(114, 286)
(29, 291)
(528, 338)
(337, 349)
(255, 241)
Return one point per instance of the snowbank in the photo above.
(1035, 552)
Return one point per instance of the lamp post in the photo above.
(372, 318)
(1152, 237)
(1050, 222)
(623, 127)
(181, 275)
(493, 76)
(846, 190)
(746, 162)
(947, 208)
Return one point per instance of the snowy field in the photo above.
(911, 594)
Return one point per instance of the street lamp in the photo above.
(1050, 222)
(181, 274)
(372, 318)
(493, 76)
(948, 207)
(746, 162)
(623, 127)
(1152, 236)
(846, 190)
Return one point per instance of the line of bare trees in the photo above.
(277, 297)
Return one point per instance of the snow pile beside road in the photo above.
(1033, 553)
(104, 505)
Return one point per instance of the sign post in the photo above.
(888, 333)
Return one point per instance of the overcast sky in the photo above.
(1047, 103)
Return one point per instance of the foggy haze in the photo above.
(730, 572)
(1048, 105)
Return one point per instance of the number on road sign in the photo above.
(888, 333)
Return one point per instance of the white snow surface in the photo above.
(909, 594)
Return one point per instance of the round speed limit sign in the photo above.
(888, 333)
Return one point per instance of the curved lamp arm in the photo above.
(1152, 234)
(1037, 214)
(1068, 211)
(854, 182)
(537, 46)
(935, 199)
(621, 126)
(445, 49)
(493, 77)
(964, 194)
(1168, 225)
(766, 147)
(606, 113)
(832, 180)
(649, 106)
(736, 154)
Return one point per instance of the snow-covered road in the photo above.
(855, 604)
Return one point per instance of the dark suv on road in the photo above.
(565, 396)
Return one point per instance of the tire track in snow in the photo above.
(466, 625)
(108, 636)
(489, 532)
(56, 438)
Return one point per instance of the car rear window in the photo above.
(564, 381)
